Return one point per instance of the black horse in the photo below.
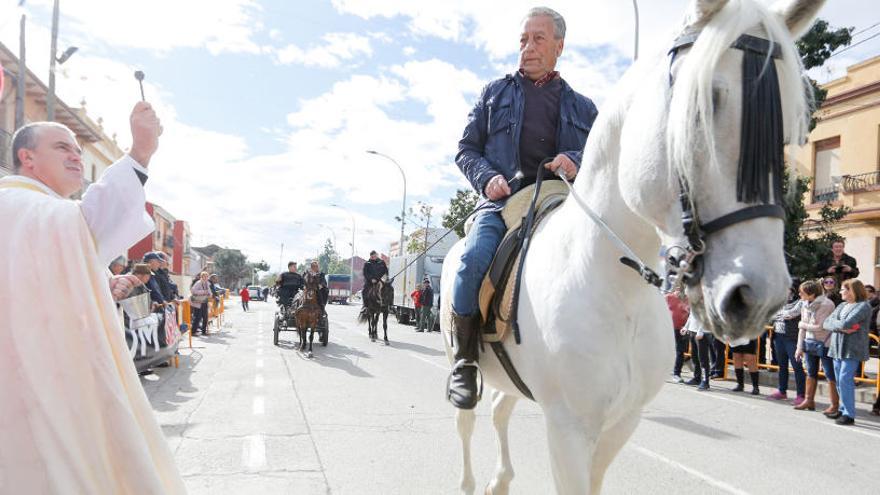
(377, 300)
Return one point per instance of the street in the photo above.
(244, 416)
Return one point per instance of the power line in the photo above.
(838, 52)
(872, 26)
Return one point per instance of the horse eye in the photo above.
(719, 98)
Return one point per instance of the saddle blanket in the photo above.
(496, 291)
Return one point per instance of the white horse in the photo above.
(596, 339)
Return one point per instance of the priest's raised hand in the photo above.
(145, 131)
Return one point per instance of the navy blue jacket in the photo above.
(490, 144)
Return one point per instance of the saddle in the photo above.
(497, 290)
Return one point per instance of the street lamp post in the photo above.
(351, 261)
(50, 99)
(403, 207)
(636, 45)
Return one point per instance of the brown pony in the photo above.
(307, 311)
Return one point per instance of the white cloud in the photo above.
(409, 51)
(220, 26)
(335, 49)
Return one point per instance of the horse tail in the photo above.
(363, 316)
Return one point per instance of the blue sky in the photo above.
(268, 106)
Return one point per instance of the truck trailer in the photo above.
(410, 269)
(339, 286)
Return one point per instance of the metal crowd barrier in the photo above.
(862, 378)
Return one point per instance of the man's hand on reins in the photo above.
(565, 163)
(497, 188)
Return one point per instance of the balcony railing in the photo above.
(825, 195)
(861, 182)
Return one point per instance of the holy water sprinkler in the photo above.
(139, 75)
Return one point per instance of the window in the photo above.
(827, 169)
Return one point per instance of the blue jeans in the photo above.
(814, 361)
(845, 372)
(785, 354)
(479, 248)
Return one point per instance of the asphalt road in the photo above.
(243, 416)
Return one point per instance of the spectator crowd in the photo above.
(824, 325)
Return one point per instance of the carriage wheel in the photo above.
(276, 330)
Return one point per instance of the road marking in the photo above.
(828, 423)
(693, 472)
(710, 395)
(258, 381)
(432, 363)
(259, 363)
(852, 429)
(253, 452)
(259, 406)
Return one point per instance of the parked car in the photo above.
(256, 292)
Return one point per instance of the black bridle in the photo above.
(760, 163)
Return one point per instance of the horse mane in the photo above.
(691, 109)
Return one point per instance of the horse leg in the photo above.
(572, 442)
(385, 324)
(610, 443)
(502, 409)
(464, 421)
(311, 337)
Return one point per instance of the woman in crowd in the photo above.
(848, 324)
(201, 292)
(812, 343)
(700, 342)
(746, 355)
(832, 291)
(785, 335)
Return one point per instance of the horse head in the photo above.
(701, 154)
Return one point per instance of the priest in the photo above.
(73, 415)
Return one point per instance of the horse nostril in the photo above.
(737, 304)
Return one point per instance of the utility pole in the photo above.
(427, 210)
(280, 258)
(20, 79)
(50, 100)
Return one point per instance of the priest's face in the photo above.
(56, 161)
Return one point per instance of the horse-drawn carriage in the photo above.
(302, 313)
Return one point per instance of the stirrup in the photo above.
(461, 363)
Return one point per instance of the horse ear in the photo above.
(701, 12)
(798, 14)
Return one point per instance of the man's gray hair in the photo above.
(26, 138)
(558, 21)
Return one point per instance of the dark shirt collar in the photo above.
(550, 76)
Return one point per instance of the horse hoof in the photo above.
(310, 354)
(387, 343)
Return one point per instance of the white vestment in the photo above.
(74, 417)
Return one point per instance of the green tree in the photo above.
(807, 241)
(460, 207)
(232, 267)
(817, 46)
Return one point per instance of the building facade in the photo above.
(842, 157)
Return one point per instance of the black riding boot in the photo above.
(462, 391)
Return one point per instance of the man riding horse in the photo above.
(538, 115)
(374, 270)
